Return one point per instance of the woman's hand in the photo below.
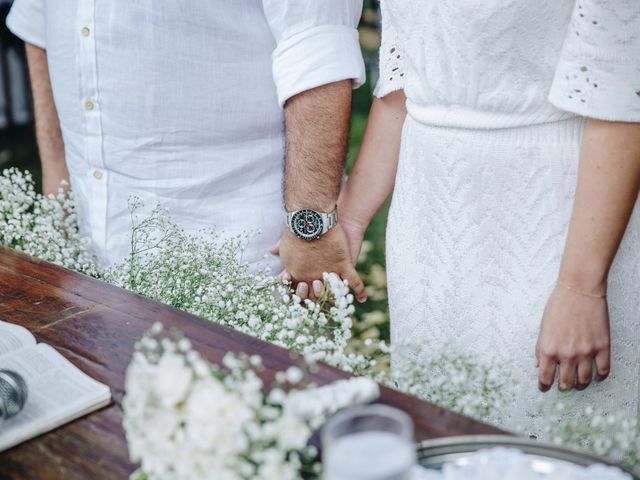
(574, 334)
(575, 325)
(355, 233)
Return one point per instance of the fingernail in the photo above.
(563, 387)
(286, 277)
(318, 287)
(581, 386)
(362, 299)
(543, 387)
(302, 291)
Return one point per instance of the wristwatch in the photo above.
(309, 224)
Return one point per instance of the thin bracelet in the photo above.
(585, 294)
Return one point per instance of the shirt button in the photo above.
(88, 105)
(85, 31)
(97, 174)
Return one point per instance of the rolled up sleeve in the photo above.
(26, 20)
(316, 44)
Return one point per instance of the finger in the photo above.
(284, 276)
(546, 372)
(302, 290)
(356, 284)
(318, 288)
(568, 369)
(603, 364)
(585, 373)
(276, 248)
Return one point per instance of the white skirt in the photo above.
(475, 237)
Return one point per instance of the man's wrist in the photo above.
(322, 206)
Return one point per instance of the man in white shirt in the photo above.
(184, 103)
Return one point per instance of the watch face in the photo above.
(307, 224)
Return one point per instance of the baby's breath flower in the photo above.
(44, 227)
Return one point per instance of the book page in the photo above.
(58, 393)
(13, 337)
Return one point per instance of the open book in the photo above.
(58, 391)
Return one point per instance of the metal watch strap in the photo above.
(329, 220)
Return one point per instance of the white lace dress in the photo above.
(497, 92)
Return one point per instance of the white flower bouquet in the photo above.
(186, 418)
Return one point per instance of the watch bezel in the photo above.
(317, 233)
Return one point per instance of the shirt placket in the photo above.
(96, 174)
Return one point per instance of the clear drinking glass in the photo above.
(373, 442)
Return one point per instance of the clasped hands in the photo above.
(304, 262)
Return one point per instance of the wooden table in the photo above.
(95, 326)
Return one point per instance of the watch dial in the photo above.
(307, 224)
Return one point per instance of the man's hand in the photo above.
(574, 334)
(305, 261)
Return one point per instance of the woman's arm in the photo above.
(575, 325)
(372, 178)
(49, 137)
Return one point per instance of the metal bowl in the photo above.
(544, 458)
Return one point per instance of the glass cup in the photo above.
(373, 442)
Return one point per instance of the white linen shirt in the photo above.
(179, 102)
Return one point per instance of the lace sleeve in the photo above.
(391, 57)
(598, 74)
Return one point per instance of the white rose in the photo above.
(292, 433)
(173, 379)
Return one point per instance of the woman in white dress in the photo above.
(518, 169)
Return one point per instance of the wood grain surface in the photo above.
(95, 326)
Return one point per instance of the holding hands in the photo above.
(305, 262)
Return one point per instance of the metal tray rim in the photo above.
(470, 443)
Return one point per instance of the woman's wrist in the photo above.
(352, 213)
(589, 279)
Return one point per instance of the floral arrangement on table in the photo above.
(186, 418)
(202, 274)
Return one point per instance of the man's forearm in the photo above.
(317, 127)
(608, 184)
(49, 137)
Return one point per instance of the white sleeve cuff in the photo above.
(26, 21)
(598, 73)
(315, 57)
(598, 88)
